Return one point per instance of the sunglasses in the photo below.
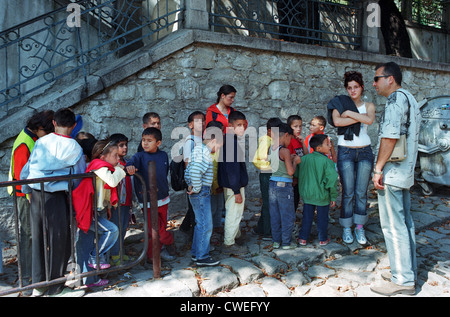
(375, 79)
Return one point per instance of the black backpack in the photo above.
(177, 175)
(177, 168)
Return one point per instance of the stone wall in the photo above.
(272, 79)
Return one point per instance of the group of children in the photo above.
(215, 176)
(292, 167)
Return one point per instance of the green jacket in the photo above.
(317, 179)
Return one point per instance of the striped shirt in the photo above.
(199, 171)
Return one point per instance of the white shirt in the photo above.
(358, 141)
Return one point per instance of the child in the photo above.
(55, 154)
(281, 192)
(297, 147)
(109, 173)
(317, 187)
(199, 177)
(317, 126)
(120, 216)
(151, 141)
(196, 123)
(232, 176)
(38, 125)
(217, 197)
(150, 120)
(261, 162)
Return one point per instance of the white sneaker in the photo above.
(347, 236)
(360, 236)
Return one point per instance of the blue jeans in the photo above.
(201, 204)
(355, 168)
(282, 211)
(308, 217)
(107, 236)
(396, 221)
(124, 216)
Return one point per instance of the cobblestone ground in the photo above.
(255, 269)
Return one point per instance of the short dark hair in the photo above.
(116, 138)
(391, 69)
(353, 76)
(292, 118)
(88, 146)
(317, 140)
(194, 114)
(236, 115)
(154, 132)
(43, 119)
(284, 128)
(149, 115)
(215, 124)
(273, 122)
(64, 118)
(322, 120)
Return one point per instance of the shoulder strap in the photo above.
(409, 110)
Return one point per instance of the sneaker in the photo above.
(92, 262)
(207, 262)
(291, 246)
(267, 238)
(166, 256)
(322, 243)
(301, 241)
(360, 236)
(390, 288)
(347, 236)
(101, 282)
(38, 292)
(276, 245)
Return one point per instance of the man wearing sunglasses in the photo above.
(393, 180)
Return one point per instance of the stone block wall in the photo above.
(273, 79)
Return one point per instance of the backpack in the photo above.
(177, 168)
(177, 175)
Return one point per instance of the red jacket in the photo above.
(214, 114)
(84, 193)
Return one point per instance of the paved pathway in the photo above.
(335, 270)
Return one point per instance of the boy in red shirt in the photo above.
(296, 147)
(317, 126)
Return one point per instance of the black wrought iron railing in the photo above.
(320, 22)
(74, 267)
(76, 40)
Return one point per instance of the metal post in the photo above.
(153, 193)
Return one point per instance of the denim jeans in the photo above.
(355, 168)
(124, 216)
(396, 221)
(107, 236)
(201, 204)
(308, 217)
(282, 211)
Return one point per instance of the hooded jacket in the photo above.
(214, 114)
(53, 155)
(83, 194)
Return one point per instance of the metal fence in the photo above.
(74, 269)
(76, 40)
(331, 23)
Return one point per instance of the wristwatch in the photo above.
(378, 173)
